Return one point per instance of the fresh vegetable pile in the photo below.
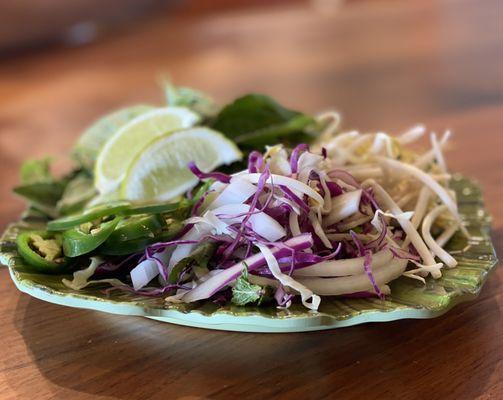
(192, 202)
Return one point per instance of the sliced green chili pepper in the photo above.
(115, 247)
(87, 237)
(42, 251)
(181, 208)
(156, 208)
(137, 227)
(92, 214)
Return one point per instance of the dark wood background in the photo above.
(385, 65)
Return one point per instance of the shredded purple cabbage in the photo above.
(349, 179)
(294, 157)
(218, 176)
(281, 297)
(403, 254)
(293, 197)
(367, 263)
(264, 176)
(377, 243)
(200, 202)
(255, 162)
(237, 246)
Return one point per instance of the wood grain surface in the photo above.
(385, 65)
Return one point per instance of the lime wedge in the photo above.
(122, 148)
(160, 172)
(92, 140)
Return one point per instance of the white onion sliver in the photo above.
(236, 192)
(261, 223)
(143, 273)
(183, 250)
(343, 206)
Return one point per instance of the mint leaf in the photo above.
(245, 292)
(255, 120)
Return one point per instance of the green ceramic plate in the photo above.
(409, 299)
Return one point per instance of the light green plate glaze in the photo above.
(409, 299)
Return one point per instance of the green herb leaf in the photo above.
(197, 101)
(42, 195)
(245, 292)
(78, 192)
(255, 120)
(35, 171)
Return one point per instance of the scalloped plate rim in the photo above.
(228, 322)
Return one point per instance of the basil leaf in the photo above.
(255, 120)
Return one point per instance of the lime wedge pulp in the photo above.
(122, 148)
(160, 171)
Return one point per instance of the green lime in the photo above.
(92, 140)
(160, 171)
(122, 148)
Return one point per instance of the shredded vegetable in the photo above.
(343, 216)
(364, 195)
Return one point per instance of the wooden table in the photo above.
(385, 65)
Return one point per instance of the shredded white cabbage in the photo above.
(81, 278)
